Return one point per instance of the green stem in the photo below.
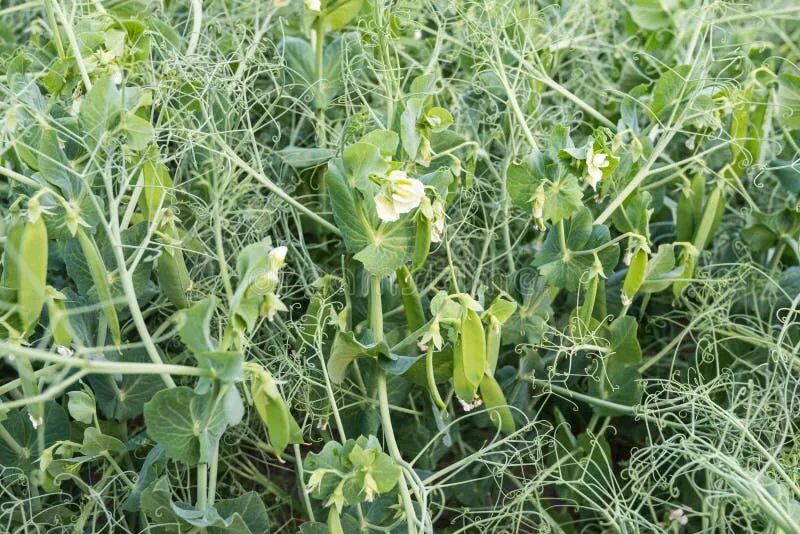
(301, 480)
(12, 443)
(51, 19)
(213, 474)
(319, 50)
(197, 22)
(202, 485)
(102, 366)
(73, 43)
(376, 324)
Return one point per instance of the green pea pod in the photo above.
(98, 271)
(334, 522)
(422, 244)
(276, 418)
(493, 335)
(635, 277)
(156, 181)
(740, 119)
(11, 254)
(32, 272)
(587, 307)
(711, 215)
(495, 401)
(59, 320)
(412, 304)
(463, 387)
(473, 342)
(684, 218)
(281, 426)
(698, 196)
(173, 277)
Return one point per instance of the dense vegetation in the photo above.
(367, 266)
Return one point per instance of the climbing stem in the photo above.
(376, 324)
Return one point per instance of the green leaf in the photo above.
(634, 214)
(96, 443)
(226, 366)
(347, 348)
(385, 140)
(788, 98)
(56, 428)
(649, 14)
(339, 13)
(562, 198)
(54, 166)
(438, 119)
(156, 501)
(617, 378)
(667, 89)
(123, 399)
(194, 326)
(299, 57)
(355, 227)
(101, 104)
(305, 158)
(249, 507)
(81, 406)
(382, 248)
(139, 131)
(389, 248)
(563, 195)
(661, 270)
(409, 134)
(502, 309)
(362, 160)
(186, 424)
(152, 465)
(563, 268)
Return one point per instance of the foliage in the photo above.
(357, 266)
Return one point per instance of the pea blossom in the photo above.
(595, 163)
(399, 194)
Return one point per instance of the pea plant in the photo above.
(356, 266)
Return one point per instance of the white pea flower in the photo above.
(277, 257)
(314, 5)
(115, 73)
(281, 3)
(595, 163)
(399, 194)
(678, 516)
